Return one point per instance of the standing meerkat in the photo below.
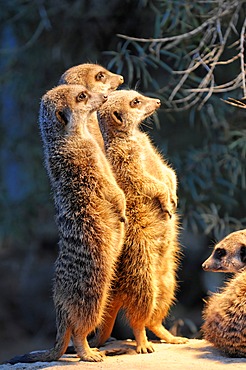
(224, 317)
(229, 255)
(96, 79)
(145, 281)
(90, 211)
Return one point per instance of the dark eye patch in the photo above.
(243, 253)
(100, 76)
(219, 253)
(82, 96)
(135, 102)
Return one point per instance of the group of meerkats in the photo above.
(115, 200)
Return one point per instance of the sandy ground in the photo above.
(196, 354)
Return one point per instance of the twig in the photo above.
(185, 35)
(242, 37)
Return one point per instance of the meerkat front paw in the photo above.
(167, 209)
(174, 201)
(145, 347)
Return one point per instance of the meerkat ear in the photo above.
(61, 116)
(243, 253)
(117, 117)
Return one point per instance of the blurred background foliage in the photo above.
(170, 49)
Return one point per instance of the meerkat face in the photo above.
(125, 110)
(65, 108)
(229, 255)
(93, 77)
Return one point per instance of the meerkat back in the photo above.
(224, 317)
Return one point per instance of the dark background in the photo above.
(39, 40)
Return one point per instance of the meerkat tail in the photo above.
(49, 355)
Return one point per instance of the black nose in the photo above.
(204, 266)
(105, 97)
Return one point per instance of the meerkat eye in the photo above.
(135, 102)
(219, 253)
(100, 76)
(82, 96)
(243, 253)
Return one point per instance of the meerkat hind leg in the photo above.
(105, 329)
(164, 334)
(143, 345)
(84, 351)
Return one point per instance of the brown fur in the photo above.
(96, 79)
(145, 279)
(229, 255)
(224, 317)
(90, 209)
(157, 166)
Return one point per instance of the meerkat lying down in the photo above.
(229, 255)
(224, 313)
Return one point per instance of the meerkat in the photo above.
(229, 255)
(145, 280)
(224, 317)
(96, 79)
(90, 213)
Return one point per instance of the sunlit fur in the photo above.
(145, 280)
(90, 212)
(225, 317)
(96, 79)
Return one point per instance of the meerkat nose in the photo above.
(121, 79)
(105, 97)
(204, 266)
(158, 102)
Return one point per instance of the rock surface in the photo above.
(196, 354)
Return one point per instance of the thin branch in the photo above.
(235, 102)
(242, 39)
(231, 85)
(185, 35)
(229, 61)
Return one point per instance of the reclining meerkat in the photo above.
(224, 317)
(90, 212)
(145, 281)
(96, 79)
(229, 255)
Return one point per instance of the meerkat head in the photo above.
(229, 255)
(93, 76)
(65, 108)
(124, 111)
